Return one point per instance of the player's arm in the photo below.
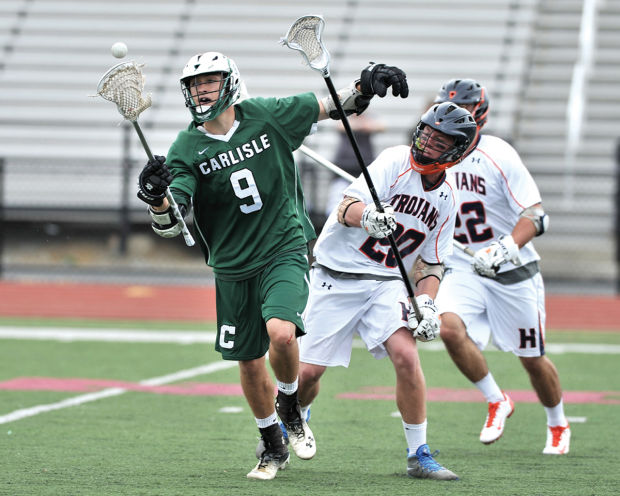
(532, 222)
(152, 183)
(353, 212)
(426, 278)
(355, 98)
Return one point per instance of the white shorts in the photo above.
(340, 308)
(513, 315)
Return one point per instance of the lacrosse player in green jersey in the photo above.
(234, 165)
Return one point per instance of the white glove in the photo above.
(428, 328)
(378, 224)
(488, 260)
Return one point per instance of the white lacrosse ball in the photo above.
(119, 49)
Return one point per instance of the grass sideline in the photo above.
(142, 443)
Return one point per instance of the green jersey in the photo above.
(245, 187)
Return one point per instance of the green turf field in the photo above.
(143, 443)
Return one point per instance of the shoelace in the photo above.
(427, 461)
(556, 432)
(492, 413)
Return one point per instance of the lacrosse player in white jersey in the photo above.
(356, 287)
(498, 293)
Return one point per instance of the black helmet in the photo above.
(451, 120)
(466, 92)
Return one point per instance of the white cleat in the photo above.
(493, 427)
(301, 439)
(295, 429)
(558, 440)
(268, 465)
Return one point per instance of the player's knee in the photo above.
(535, 365)
(452, 328)
(281, 333)
(406, 362)
(310, 373)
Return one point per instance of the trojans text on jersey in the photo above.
(418, 207)
(236, 155)
(470, 182)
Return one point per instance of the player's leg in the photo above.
(258, 391)
(242, 336)
(463, 296)
(520, 316)
(330, 318)
(411, 402)
(546, 382)
(309, 383)
(285, 295)
(383, 328)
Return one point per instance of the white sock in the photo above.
(415, 435)
(555, 415)
(304, 411)
(266, 422)
(489, 388)
(287, 387)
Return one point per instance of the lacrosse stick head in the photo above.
(123, 85)
(304, 35)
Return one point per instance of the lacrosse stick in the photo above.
(305, 36)
(464, 248)
(123, 85)
(319, 159)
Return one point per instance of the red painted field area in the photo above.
(197, 304)
(216, 389)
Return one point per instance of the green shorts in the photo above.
(280, 290)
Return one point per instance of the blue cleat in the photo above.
(423, 466)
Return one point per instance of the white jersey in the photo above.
(425, 220)
(494, 187)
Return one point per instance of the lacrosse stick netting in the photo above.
(123, 85)
(305, 37)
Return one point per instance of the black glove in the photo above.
(377, 78)
(153, 181)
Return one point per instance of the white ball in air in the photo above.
(119, 49)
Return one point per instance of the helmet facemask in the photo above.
(441, 138)
(203, 105)
(204, 99)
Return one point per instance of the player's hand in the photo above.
(377, 78)
(153, 181)
(378, 224)
(428, 328)
(489, 259)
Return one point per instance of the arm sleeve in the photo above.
(184, 182)
(294, 117)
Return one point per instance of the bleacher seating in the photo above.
(64, 152)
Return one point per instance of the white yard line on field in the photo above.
(110, 335)
(191, 337)
(110, 392)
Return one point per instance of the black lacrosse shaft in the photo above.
(373, 192)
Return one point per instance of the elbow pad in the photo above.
(538, 217)
(422, 270)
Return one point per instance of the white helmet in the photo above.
(230, 88)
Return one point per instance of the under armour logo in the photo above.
(325, 285)
(443, 195)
